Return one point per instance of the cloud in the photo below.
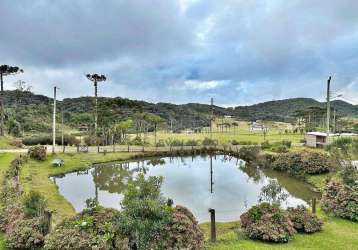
(203, 85)
(237, 51)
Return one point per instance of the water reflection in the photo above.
(221, 182)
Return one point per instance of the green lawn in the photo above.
(337, 234)
(35, 176)
(226, 137)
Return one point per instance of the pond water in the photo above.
(187, 180)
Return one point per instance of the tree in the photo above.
(5, 70)
(95, 78)
(122, 127)
(155, 120)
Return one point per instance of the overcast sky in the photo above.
(237, 51)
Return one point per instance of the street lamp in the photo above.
(96, 78)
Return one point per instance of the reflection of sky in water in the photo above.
(187, 183)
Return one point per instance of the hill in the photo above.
(34, 111)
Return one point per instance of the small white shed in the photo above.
(317, 139)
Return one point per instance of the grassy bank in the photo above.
(35, 176)
(5, 160)
(337, 234)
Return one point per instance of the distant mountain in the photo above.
(30, 108)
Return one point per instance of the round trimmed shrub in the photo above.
(183, 232)
(268, 223)
(303, 220)
(340, 200)
(90, 229)
(37, 153)
(302, 163)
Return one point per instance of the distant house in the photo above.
(256, 127)
(83, 127)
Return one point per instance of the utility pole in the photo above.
(328, 104)
(62, 134)
(334, 120)
(212, 117)
(54, 120)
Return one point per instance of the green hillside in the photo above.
(34, 112)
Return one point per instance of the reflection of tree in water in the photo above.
(115, 177)
(295, 187)
(252, 171)
(156, 162)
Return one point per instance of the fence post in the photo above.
(212, 225)
(98, 149)
(48, 219)
(78, 148)
(314, 205)
(128, 147)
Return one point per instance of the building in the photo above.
(320, 139)
(316, 139)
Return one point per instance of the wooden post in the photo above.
(78, 148)
(128, 147)
(48, 220)
(212, 225)
(314, 205)
(97, 148)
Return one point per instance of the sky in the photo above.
(239, 52)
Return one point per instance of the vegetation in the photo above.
(33, 112)
(302, 163)
(341, 200)
(37, 153)
(268, 223)
(303, 220)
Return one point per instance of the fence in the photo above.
(132, 148)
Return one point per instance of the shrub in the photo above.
(183, 232)
(277, 148)
(303, 220)
(174, 142)
(68, 140)
(265, 145)
(209, 142)
(91, 229)
(34, 204)
(145, 213)
(302, 163)
(286, 143)
(340, 200)
(16, 143)
(92, 140)
(37, 153)
(268, 223)
(25, 234)
(161, 143)
(192, 143)
(235, 142)
(249, 154)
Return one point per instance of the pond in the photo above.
(231, 187)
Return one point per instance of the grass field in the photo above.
(337, 234)
(226, 137)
